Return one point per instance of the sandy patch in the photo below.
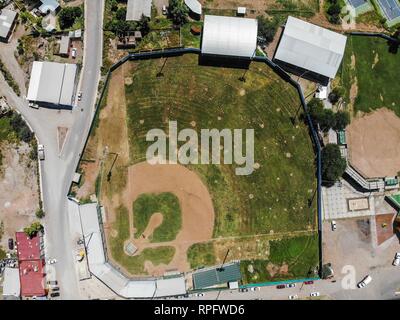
(374, 144)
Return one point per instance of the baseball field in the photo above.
(173, 217)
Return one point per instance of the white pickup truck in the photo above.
(40, 152)
(364, 282)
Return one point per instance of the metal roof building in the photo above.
(211, 277)
(194, 6)
(7, 19)
(52, 83)
(64, 45)
(48, 6)
(136, 8)
(11, 285)
(310, 48)
(229, 36)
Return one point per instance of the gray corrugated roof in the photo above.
(7, 18)
(229, 36)
(49, 5)
(52, 82)
(216, 276)
(64, 45)
(136, 8)
(311, 47)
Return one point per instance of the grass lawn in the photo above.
(275, 196)
(134, 265)
(375, 72)
(300, 254)
(201, 254)
(165, 203)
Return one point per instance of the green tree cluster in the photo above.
(20, 127)
(333, 11)
(33, 229)
(326, 118)
(68, 16)
(267, 29)
(178, 12)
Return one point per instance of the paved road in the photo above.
(57, 174)
(58, 168)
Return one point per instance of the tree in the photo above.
(342, 120)
(121, 14)
(39, 213)
(143, 25)
(68, 15)
(336, 94)
(333, 165)
(267, 28)
(334, 12)
(33, 229)
(178, 12)
(325, 118)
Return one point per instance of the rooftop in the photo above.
(311, 47)
(7, 18)
(229, 36)
(211, 277)
(194, 6)
(32, 279)
(27, 248)
(48, 5)
(137, 8)
(52, 82)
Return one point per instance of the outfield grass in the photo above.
(376, 71)
(165, 203)
(275, 196)
(300, 254)
(134, 265)
(201, 254)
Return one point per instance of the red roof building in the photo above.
(31, 265)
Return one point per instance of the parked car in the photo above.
(41, 152)
(280, 286)
(255, 289)
(73, 53)
(164, 10)
(52, 282)
(290, 285)
(51, 261)
(33, 105)
(10, 244)
(333, 225)
(200, 294)
(314, 294)
(309, 282)
(396, 260)
(244, 290)
(79, 95)
(54, 294)
(293, 297)
(55, 289)
(364, 282)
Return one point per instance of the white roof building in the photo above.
(49, 6)
(194, 6)
(311, 47)
(136, 8)
(7, 18)
(52, 83)
(11, 285)
(229, 36)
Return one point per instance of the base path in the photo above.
(195, 201)
(374, 144)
